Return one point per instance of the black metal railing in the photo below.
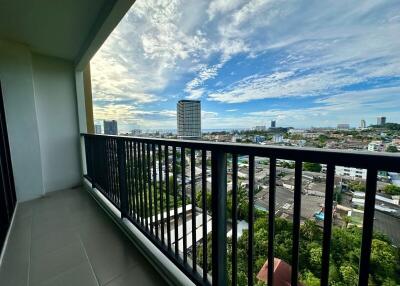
(147, 180)
(8, 198)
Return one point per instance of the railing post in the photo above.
(368, 225)
(218, 197)
(122, 177)
(91, 141)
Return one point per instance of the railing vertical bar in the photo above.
(183, 181)
(115, 166)
(140, 170)
(91, 140)
(166, 150)
(218, 201)
(131, 200)
(160, 184)
(111, 170)
(250, 258)
(330, 184)
(154, 157)
(107, 160)
(113, 190)
(193, 197)
(128, 176)
(145, 205)
(271, 220)
(296, 222)
(149, 184)
(204, 207)
(137, 181)
(368, 225)
(234, 216)
(175, 187)
(133, 212)
(122, 177)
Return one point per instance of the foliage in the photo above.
(289, 165)
(389, 126)
(356, 186)
(312, 167)
(392, 190)
(392, 149)
(345, 253)
(337, 195)
(322, 138)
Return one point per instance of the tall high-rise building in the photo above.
(363, 124)
(110, 127)
(97, 129)
(189, 119)
(381, 120)
(273, 123)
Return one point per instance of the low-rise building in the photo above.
(277, 138)
(353, 173)
(376, 146)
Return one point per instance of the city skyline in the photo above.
(251, 63)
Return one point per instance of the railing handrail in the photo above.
(347, 158)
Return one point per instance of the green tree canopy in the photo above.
(392, 149)
(392, 190)
(312, 167)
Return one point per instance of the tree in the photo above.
(356, 186)
(312, 167)
(349, 275)
(392, 149)
(392, 190)
(383, 260)
(309, 279)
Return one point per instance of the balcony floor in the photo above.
(65, 238)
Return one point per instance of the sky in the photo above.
(301, 63)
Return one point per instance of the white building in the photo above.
(353, 173)
(381, 120)
(97, 129)
(363, 124)
(376, 146)
(277, 138)
(297, 131)
(189, 119)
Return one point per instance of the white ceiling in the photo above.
(60, 28)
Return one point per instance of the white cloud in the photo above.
(313, 48)
(282, 84)
(208, 114)
(346, 107)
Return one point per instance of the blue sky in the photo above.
(302, 63)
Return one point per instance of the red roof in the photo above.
(282, 273)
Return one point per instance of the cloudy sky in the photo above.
(303, 63)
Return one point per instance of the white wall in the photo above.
(19, 100)
(41, 113)
(54, 82)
